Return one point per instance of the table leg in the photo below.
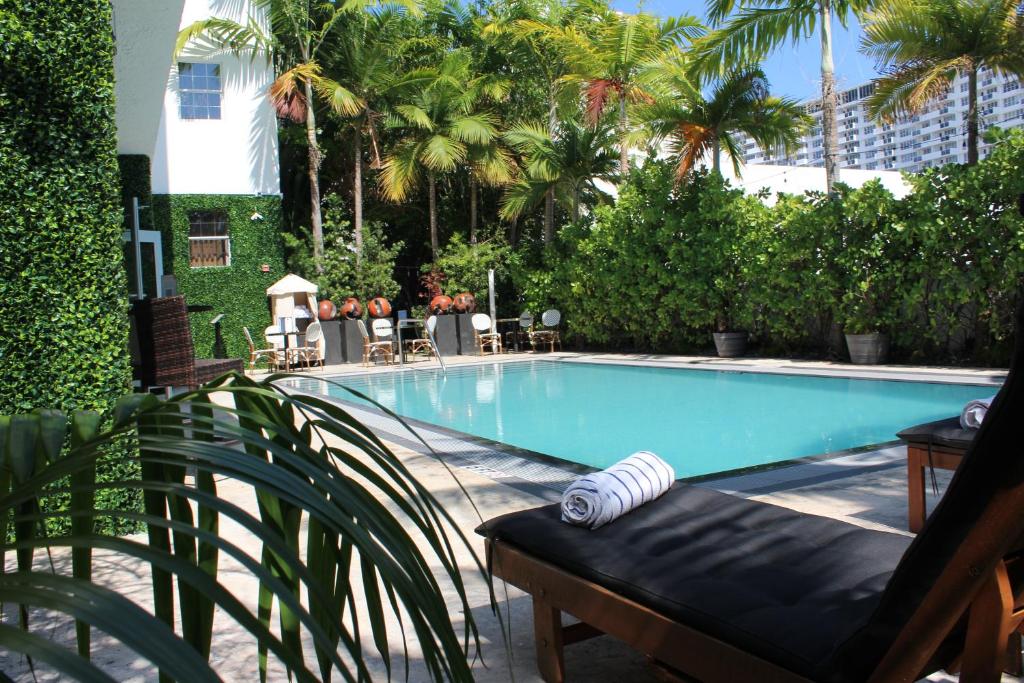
(916, 510)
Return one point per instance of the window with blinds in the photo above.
(208, 240)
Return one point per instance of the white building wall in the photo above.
(235, 154)
(935, 136)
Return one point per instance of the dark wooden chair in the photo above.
(166, 352)
(719, 588)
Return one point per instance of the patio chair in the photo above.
(375, 349)
(482, 334)
(523, 330)
(274, 356)
(721, 588)
(550, 319)
(309, 353)
(423, 345)
(166, 348)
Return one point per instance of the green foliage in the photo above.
(939, 270)
(62, 280)
(135, 182)
(465, 265)
(334, 525)
(341, 277)
(238, 290)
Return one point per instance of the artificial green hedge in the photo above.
(239, 290)
(63, 291)
(136, 182)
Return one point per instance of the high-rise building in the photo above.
(936, 135)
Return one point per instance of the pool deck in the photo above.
(866, 488)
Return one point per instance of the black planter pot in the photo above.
(868, 349)
(730, 344)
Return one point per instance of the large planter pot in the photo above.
(868, 349)
(730, 344)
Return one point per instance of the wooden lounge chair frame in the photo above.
(978, 586)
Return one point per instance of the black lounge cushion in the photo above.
(788, 586)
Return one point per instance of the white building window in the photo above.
(209, 244)
(199, 90)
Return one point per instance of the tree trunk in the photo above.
(623, 131)
(315, 219)
(972, 115)
(472, 209)
(829, 99)
(513, 232)
(549, 215)
(716, 156)
(575, 204)
(434, 247)
(357, 194)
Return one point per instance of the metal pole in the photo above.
(490, 300)
(140, 290)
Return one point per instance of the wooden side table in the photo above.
(940, 444)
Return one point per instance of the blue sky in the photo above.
(793, 69)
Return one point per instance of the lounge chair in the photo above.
(719, 588)
(550, 319)
(485, 339)
(272, 355)
(375, 349)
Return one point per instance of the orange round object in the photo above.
(464, 303)
(328, 310)
(378, 307)
(441, 304)
(351, 309)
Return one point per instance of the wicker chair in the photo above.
(373, 349)
(485, 339)
(274, 356)
(548, 335)
(166, 349)
(309, 353)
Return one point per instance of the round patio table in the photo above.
(287, 342)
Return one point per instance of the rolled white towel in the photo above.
(974, 412)
(595, 499)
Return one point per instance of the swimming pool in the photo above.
(701, 421)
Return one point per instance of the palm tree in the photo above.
(294, 33)
(367, 75)
(926, 45)
(696, 125)
(617, 60)
(564, 166)
(443, 123)
(760, 27)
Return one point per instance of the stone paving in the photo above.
(870, 492)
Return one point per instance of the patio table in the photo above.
(940, 444)
(287, 343)
(517, 331)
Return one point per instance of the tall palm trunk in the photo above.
(472, 209)
(716, 156)
(575, 203)
(829, 99)
(434, 247)
(549, 215)
(315, 157)
(623, 131)
(357, 193)
(972, 115)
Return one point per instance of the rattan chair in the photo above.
(423, 345)
(309, 353)
(485, 339)
(550, 319)
(521, 332)
(375, 349)
(273, 356)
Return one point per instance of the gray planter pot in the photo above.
(730, 344)
(868, 349)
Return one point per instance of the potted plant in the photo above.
(865, 317)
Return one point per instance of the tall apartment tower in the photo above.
(935, 136)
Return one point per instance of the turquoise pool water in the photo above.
(701, 421)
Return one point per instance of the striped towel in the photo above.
(974, 412)
(595, 499)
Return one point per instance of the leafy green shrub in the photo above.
(62, 279)
(341, 277)
(465, 265)
(239, 290)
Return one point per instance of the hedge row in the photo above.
(63, 292)
(239, 290)
(939, 270)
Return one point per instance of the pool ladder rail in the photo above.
(430, 338)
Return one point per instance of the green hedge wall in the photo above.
(136, 182)
(238, 290)
(63, 293)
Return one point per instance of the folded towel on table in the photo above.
(974, 412)
(595, 499)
